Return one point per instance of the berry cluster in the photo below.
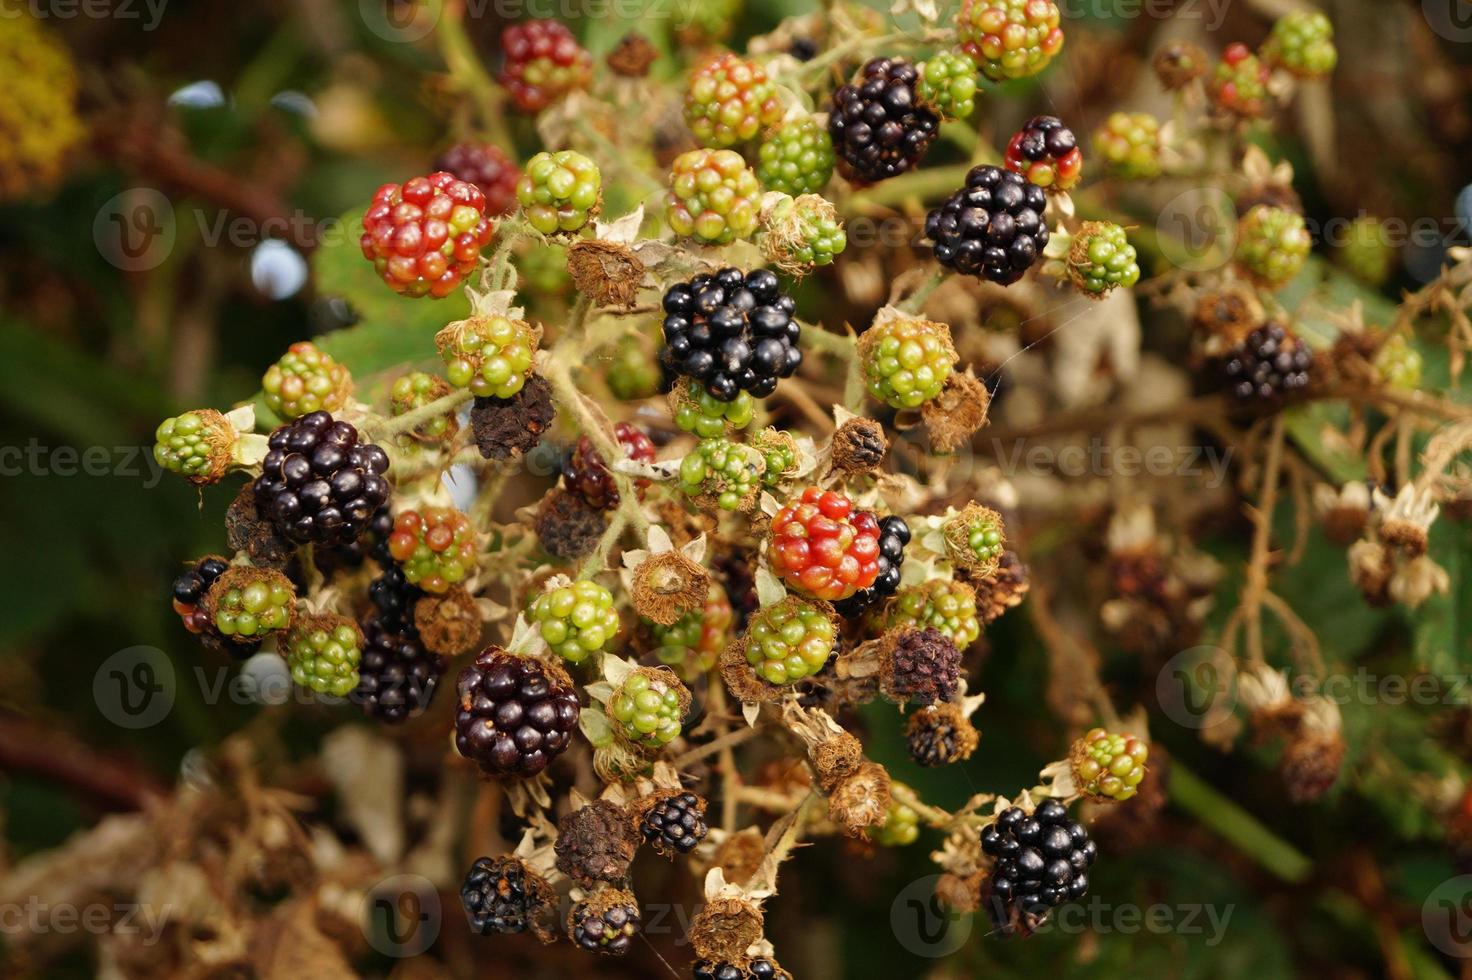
(197, 445)
(247, 604)
(323, 652)
(1271, 364)
(714, 197)
(803, 233)
(878, 126)
(397, 676)
(585, 473)
(939, 735)
(675, 824)
(947, 85)
(757, 968)
(1046, 153)
(789, 640)
(424, 236)
(796, 157)
(413, 391)
(923, 666)
(779, 452)
(1302, 42)
(730, 100)
(1009, 38)
(726, 472)
(647, 708)
(305, 379)
(1042, 860)
(821, 547)
(503, 895)
(894, 534)
(576, 620)
(699, 412)
(514, 715)
(1239, 83)
(486, 166)
(543, 63)
(906, 360)
(560, 191)
(992, 227)
(947, 606)
(1272, 244)
(490, 355)
(319, 483)
(1102, 258)
(437, 547)
(733, 331)
(1129, 145)
(1109, 765)
(603, 928)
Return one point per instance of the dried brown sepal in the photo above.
(567, 527)
(861, 799)
(725, 928)
(506, 427)
(837, 758)
(596, 843)
(1370, 569)
(668, 585)
(1407, 537)
(859, 446)
(221, 437)
(683, 525)
(448, 624)
(960, 895)
(941, 734)
(957, 531)
(248, 531)
(240, 577)
(632, 56)
(1003, 589)
(740, 856)
(1310, 765)
(957, 412)
(1226, 316)
(1179, 64)
(741, 680)
(786, 228)
(618, 762)
(608, 273)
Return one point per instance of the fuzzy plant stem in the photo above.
(1236, 825)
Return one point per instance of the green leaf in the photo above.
(1442, 645)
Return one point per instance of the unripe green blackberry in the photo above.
(490, 355)
(1399, 364)
(1102, 258)
(197, 445)
(906, 360)
(1302, 43)
(634, 371)
(727, 473)
(1272, 244)
(249, 603)
(1009, 38)
(796, 158)
(789, 640)
(560, 191)
(947, 85)
(576, 620)
(947, 606)
(779, 451)
(1239, 83)
(975, 540)
(1129, 145)
(323, 653)
(1366, 251)
(730, 100)
(901, 826)
(802, 234)
(714, 197)
(698, 411)
(1108, 766)
(305, 380)
(415, 390)
(649, 707)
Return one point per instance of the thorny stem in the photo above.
(427, 412)
(598, 560)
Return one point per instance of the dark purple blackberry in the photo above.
(318, 483)
(732, 332)
(607, 926)
(924, 667)
(803, 48)
(394, 598)
(1271, 364)
(503, 895)
(878, 126)
(675, 824)
(397, 677)
(894, 534)
(759, 968)
(379, 528)
(190, 587)
(1042, 860)
(514, 714)
(993, 227)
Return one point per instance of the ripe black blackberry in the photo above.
(940, 734)
(319, 483)
(878, 126)
(394, 598)
(732, 331)
(606, 923)
(189, 590)
(759, 968)
(504, 895)
(379, 528)
(894, 534)
(397, 676)
(1042, 860)
(993, 227)
(1271, 364)
(514, 714)
(676, 824)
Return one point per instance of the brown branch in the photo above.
(29, 746)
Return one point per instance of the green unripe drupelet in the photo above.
(1302, 42)
(249, 603)
(197, 445)
(1109, 766)
(948, 84)
(714, 197)
(727, 472)
(576, 620)
(559, 191)
(490, 355)
(323, 653)
(906, 360)
(1102, 258)
(797, 158)
(698, 411)
(649, 707)
(948, 606)
(1272, 244)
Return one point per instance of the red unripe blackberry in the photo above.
(878, 126)
(543, 63)
(424, 236)
(1046, 153)
(822, 548)
(318, 483)
(486, 166)
(585, 473)
(992, 228)
(515, 714)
